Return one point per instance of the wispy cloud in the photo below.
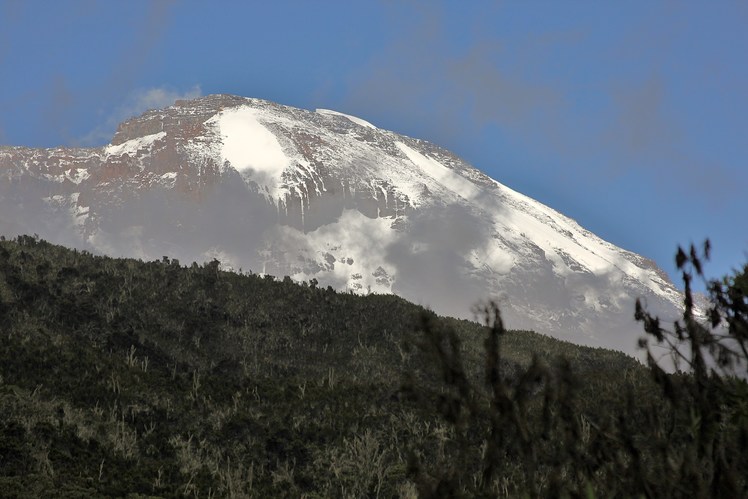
(443, 236)
(135, 57)
(644, 136)
(139, 102)
(640, 130)
(154, 98)
(423, 75)
(61, 103)
(120, 85)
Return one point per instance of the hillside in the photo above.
(119, 376)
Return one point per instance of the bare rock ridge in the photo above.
(320, 194)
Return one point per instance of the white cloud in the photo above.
(138, 102)
(154, 98)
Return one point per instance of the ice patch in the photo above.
(355, 120)
(132, 146)
(77, 175)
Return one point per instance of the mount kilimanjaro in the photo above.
(326, 196)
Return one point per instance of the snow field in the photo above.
(251, 148)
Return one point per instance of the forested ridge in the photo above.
(152, 379)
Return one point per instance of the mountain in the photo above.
(326, 196)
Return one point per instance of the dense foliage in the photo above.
(127, 378)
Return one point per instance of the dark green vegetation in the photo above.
(125, 378)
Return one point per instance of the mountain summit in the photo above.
(327, 196)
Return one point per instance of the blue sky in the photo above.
(630, 117)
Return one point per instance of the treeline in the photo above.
(151, 379)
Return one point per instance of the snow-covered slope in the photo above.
(324, 195)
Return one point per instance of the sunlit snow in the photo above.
(132, 146)
(357, 121)
(441, 173)
(553, 231)
(250, 147)
(78, 175)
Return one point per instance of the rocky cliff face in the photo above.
(319, 194)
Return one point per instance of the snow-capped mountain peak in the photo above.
(325, 195)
